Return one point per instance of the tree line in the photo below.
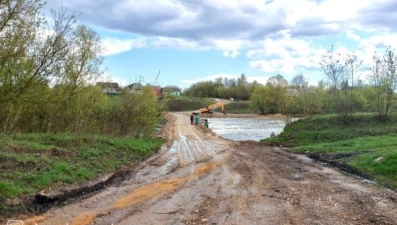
(48, 69)
(223, 88)
(343, 91)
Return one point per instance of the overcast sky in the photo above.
(195, 40)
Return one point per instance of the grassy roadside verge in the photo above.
(30, 163)
(367, 147)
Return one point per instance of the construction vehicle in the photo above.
(208, 109)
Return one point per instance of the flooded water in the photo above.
(244, 129)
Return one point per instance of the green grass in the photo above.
(368, 143)
(32, 162)
(9, 189)
(239, 107)
(324, 129)
(183, 103)
(381, 164)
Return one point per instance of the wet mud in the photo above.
(200, 178)
(338, 161)
(41, 203)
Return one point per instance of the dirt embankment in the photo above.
(199, 178)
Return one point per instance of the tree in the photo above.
(138, 113)
(352, 64)
(300, 84)
(278, 80)
(285, 104)
(259, 99)
(80, 67)
(229, 82)
(46, 78)
(338, 72)
(384, 78)
(242, 80)
(273, 99)
(29, 58)
(204, 89)
(334, 70)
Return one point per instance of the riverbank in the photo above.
(366, 147)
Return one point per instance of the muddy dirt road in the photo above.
(199, 178)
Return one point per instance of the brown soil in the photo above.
(199, 178)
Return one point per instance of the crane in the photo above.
(157, 77)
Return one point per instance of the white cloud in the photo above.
(281, 47)
(352, 34)
(176, 43)
(286, 55)
(114, 46)
(276, 36)
(374, 44)
(269, 66)
(229, 47)
(223, 19)
(231, 54)
(380, 40)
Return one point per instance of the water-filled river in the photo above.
(243, 129)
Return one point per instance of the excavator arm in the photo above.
(213, 106)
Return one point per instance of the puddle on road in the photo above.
(244, 129)
(173, 148)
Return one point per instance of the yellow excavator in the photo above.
(213, 106)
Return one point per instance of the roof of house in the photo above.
(135, 85)
(107, 85)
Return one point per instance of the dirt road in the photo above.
(199, 178)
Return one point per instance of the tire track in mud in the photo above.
(142, 194)
(196, 150)
(199, 179)
(255, 188)
(189, 147)
(137, 196)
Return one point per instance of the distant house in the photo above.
(157, 90)
(135, 88)
(109, 87)
(171, 91)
